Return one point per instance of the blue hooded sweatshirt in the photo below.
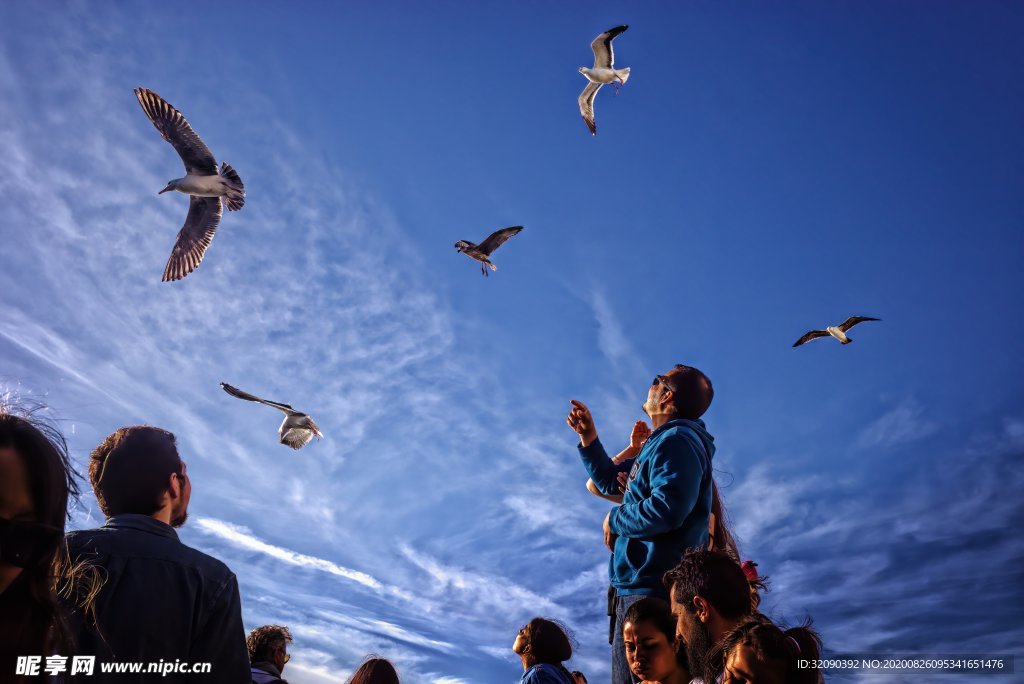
(666, 507)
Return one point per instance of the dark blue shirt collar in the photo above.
(143, 523)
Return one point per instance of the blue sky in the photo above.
(769, 168)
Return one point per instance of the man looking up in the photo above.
(667, 502)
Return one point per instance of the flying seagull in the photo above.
(836, 331)
(604, 71)
(297, 429)
(209, 190)
(483, 251)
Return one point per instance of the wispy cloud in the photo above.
(243, 537)
(486, 592)
(904, 423)
(910, 542)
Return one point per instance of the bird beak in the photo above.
(164, 190)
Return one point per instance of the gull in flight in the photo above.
(209, 190)
(297, 429)
(836, 331)
(604, 71)
(482, 252)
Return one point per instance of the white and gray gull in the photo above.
(836, 331)
(209, 190)
(603, 72)
(297, 429)
(482, 252)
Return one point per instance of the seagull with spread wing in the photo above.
(603, 72)
(836, 331)
(209, 190)
(482, 252)
(297, 429)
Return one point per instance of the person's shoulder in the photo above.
(205, 563)
(80, 540)
(543, 673)
(679, 438)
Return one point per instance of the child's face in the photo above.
(743, 667)
(650, 654)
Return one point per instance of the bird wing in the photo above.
(813, 335)
(498, 238)
(586, 102)
(604, 55)
(854, 320)
(296, 437)
(235, 392)
(313, 426)
(194, 237)
(174, 128)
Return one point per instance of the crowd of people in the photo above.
(682, 606)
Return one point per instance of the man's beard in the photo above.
(701, 654)
(646, 408)
(180, 520)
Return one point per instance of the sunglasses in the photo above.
(23, 544)
(664, 379)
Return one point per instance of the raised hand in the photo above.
(639, 435)
(580, 420)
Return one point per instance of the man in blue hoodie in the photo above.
(667, 502)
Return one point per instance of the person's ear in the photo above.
(175, 486)
(702, 609)
(667, 397)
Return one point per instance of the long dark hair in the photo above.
(33, 622)
(783, 648)
(721, 538)
(550, 643)
(375, 670)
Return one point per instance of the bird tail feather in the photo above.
(623, 74)
(493, 267)
(848, 340)
(235, 199)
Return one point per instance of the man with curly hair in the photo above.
(268, 653)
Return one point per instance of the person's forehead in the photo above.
(643, 630)
(741, 661)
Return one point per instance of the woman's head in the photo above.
(375, 671)
(759, 652)
(542, 641)
(649, 634)
(36, 479)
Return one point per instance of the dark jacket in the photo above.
(666, 507)
(160, 600)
